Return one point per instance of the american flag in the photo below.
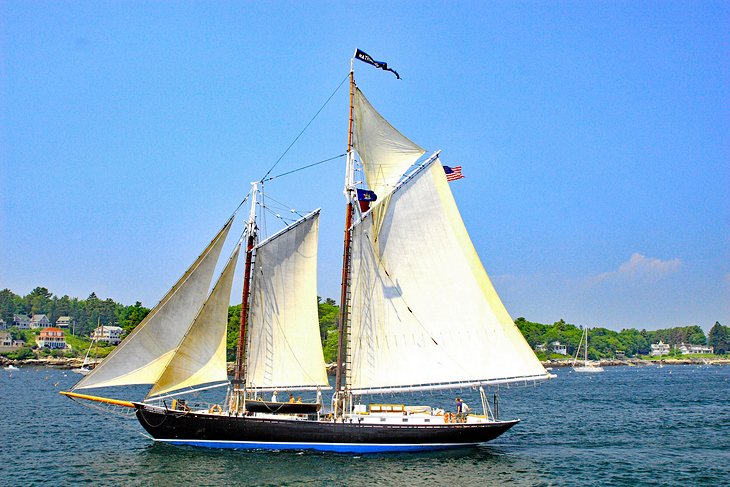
(453, 173)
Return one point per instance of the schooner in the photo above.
(418, 312)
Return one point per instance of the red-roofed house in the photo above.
(51, 338)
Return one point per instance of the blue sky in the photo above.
(593, 137)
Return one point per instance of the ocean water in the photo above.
(627, 426)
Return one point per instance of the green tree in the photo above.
(329, 313)
(719, 338)
(39, 301)
(234, 325)
(7, 305)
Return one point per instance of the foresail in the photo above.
(424, 313)
(142, 356)
(284, 347)
(385, 153)
(201, 356)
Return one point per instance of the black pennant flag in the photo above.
(366, 58)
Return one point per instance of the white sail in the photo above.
(142, 356)
(385, 153)
(284, 350)
(424, 314)
(201, 356)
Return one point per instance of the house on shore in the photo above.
(110, 334)
(3, 325)
(7, 344)
(63, 322)
(559, 348)
(659, 349)
(22, 322)
(51, 338)
(39, 321)
(695, 349)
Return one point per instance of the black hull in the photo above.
(246, 432)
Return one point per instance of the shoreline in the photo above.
(641, 362)
(75, 362)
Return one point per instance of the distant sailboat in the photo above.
(400, 253)
(85, 368)
(587, 366)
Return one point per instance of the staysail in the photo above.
(385, 153)
(142, 356)
(424, 314)
(201, 356)
(284, 350)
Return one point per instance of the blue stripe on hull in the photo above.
(329, 447)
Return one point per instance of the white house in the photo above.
(21, 321)
(659, 349)
(693, 349)
(40, 321)
(63, 322)
(110, 334)
(559, 348)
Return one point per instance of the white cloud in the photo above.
(640, 268)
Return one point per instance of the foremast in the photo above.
(239, 381)
(341, 388)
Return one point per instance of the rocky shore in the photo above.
(640, 362)
(72, 363)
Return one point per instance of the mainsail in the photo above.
(201, 356)
(284, 350)
(424, 314)
(385, 153)
(143, 355)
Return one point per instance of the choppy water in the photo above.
(627, 426)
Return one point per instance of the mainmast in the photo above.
(340, 383)
(239, 381)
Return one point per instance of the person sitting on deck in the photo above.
(299, 399)
(291, 398)
(273, 397)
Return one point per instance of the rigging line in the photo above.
(283, 205)
(305, 167)
(306, 126)
(286, 221)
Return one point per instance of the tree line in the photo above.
(85, 313)
(603, 342)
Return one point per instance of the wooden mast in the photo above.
(342, 325)
(239, 381)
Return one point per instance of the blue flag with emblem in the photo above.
(366, 195)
